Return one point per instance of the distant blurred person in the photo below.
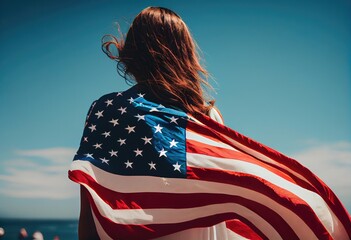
(37, 236)
(22, 234)
(2, 232)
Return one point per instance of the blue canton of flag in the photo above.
(127, 134)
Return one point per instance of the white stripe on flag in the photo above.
(198, 137)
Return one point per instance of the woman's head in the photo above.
(160, 53)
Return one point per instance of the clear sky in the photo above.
(281, 70)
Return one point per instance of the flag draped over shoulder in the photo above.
(152, 170)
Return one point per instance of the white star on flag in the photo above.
(128, 164)
(130, 100)
(104, 160)
(113, 153)
(141, 95)
(174, 120)
(106, 134)
(152, 165)
(89, 155)
(138, 152)
(99, 114)
(97, 145)
(158, 128)
(177, 167)
(173, 143)
(123, 110)
(130, 129)
(147, 140)
(109, 102)
(114, 122)
(140, 117)
(162, 153)
(92, 127)
(121, 141)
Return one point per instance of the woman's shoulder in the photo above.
(216, 115)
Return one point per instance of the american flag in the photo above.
(152, 170)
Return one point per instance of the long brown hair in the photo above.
(160, 53)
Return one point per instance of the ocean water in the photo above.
(64, 229)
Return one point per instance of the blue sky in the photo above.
(281, 70)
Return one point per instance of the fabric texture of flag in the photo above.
(152, 170)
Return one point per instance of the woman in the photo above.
(153, 165)
(160, 55)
